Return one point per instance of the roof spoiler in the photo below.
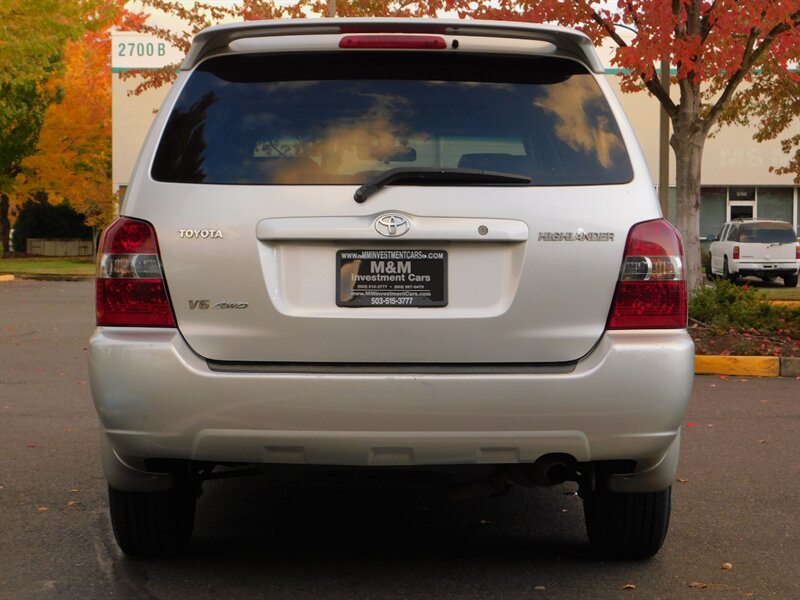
(215, 39)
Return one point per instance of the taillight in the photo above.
(797, 252)
(651, 291)
(736, 252)
(415, 42)
(131, 291)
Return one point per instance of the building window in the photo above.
(775, 203)
(713, 210)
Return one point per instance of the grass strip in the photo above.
(67, 267)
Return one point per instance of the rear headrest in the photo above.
(504, 163)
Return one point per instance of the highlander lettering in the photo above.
(576, 236)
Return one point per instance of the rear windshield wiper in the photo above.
(421, 176)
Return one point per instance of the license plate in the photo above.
(389, 278)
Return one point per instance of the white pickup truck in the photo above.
(759, 247)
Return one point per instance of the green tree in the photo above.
(38, 218)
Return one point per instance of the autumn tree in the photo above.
(716, 46)
(32, 36)
(73, 157)
(380, 8)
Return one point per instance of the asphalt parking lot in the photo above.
(736, 504)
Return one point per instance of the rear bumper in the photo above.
(765, 269)
(157, 399)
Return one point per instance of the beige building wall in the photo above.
(731, 157)
(131, 120)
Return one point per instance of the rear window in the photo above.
(767, 233)
(343, 117)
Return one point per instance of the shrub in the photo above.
(726, 306)
(37, 218)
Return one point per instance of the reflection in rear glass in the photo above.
(323, 119)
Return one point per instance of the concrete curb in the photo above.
(753, 366)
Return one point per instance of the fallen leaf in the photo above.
(690, 424)
(74, 490)
(540, 588)
(723, 376)
(31, 445)
(42, 509)
(681, 480)
(698, 586)
(710, 425)
(563, 510)
(763, 441)
(713, 385)
(629, 586)
(727, 566)
(72, 503)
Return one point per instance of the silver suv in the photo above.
(392, 244)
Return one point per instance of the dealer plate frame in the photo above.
(391, 278)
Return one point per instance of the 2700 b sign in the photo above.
(391, 278)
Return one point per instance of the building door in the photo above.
(740, 209)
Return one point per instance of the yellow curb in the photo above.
(754, 366)
(786, 303)
(6, 278)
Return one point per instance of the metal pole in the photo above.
(331, 8)
(663, 145)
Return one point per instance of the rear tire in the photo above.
(627, 525)
(790, 281)
(726, 274)
(150, 524)
(709, 272)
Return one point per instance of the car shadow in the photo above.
(252, 520)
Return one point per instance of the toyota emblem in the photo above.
(392, 225)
